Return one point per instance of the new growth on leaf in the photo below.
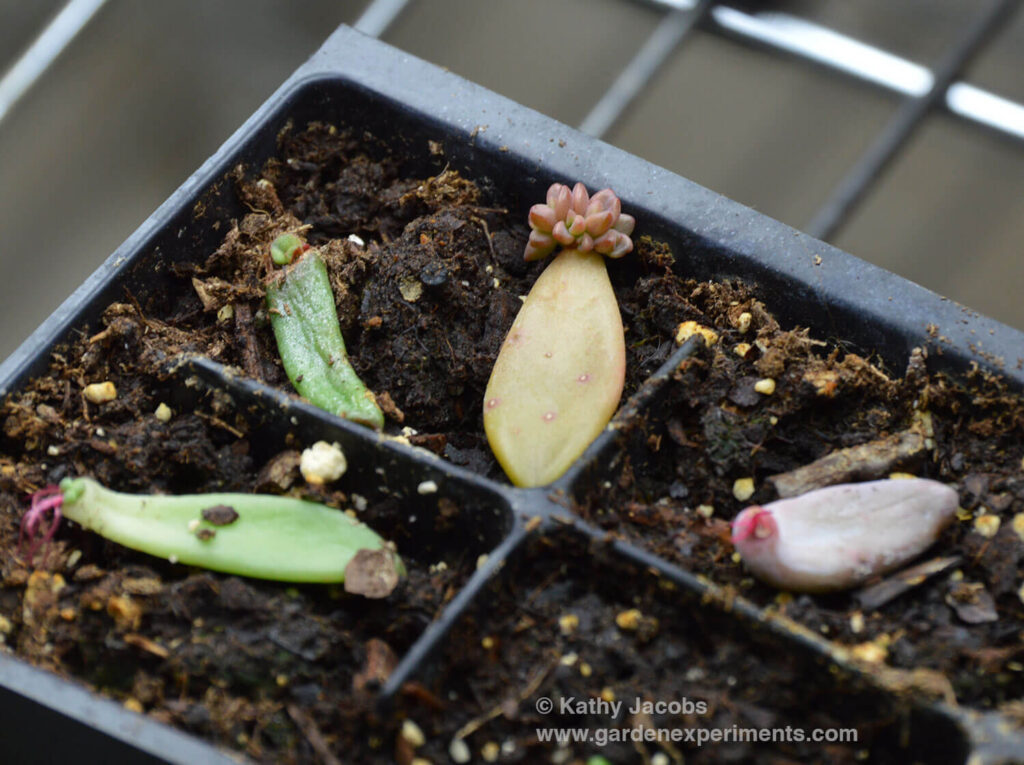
(559, 375)
(573, 218)
(286, 248)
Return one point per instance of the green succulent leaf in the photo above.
(309, 340)
(265, 536)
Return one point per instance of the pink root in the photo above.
(50, 498)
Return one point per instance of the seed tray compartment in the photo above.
(513, 153)
(575, 618)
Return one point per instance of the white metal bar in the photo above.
(986, 108)
(44, 51)
(844, 199)
(379, 15)
(824, 46)
(674, 27)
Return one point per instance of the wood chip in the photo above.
(88, 573)
(380, 663)
(877, 595)
(972, 603)
(280, 472)
(389, 407)
(245, 329)
(148, 585)
(858, 463)
(371, 573)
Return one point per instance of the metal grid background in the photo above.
(892, 128)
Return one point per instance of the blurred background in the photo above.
(777, 105)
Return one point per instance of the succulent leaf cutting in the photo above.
(559, 375)
(305, 322)
(257, 535)
(840, 536)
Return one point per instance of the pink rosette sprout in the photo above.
(576, 220)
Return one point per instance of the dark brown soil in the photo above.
(572, 626)
(424, 304)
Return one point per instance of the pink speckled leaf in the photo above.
(559, 376)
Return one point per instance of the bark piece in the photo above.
(857, 463)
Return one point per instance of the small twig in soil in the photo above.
(217, 421)
(250, 350)
(257, 211)
(531, 688)
(147, 645)
(877, 595)
(138, 309)
(450, 349)
(313, 735)
(100, 336)
(487, 236)
(416, 335)
(865, 462)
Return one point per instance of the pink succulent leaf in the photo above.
(598, 204)
(605, 243)
(531, 254)
(586, 243)
(542, 218)
(541, 239)
(622, 246)
(562, 235)
(841, 536)
(563, 201)
(604, 200)
(599, 222)
(625, 224)
(540, 246)
(580, 198)
(578, 226)
(552, 196)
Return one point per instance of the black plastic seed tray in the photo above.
(357, 81)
